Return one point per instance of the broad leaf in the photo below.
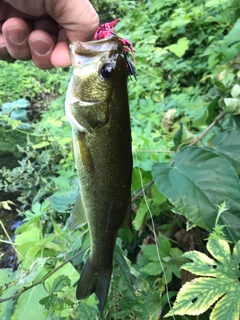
(6, 308)
(234, 35)
(198, 181)
(67, 270)
(28, 306)
(227, 143)
(60, 282)
(220, 283)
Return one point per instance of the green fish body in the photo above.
(97, 109)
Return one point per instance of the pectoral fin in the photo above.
(78, 217)
(86, 156)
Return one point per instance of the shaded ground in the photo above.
(10, 221)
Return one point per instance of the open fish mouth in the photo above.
(88, 103)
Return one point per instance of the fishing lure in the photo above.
(107, 30)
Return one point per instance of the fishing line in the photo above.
(154, 233)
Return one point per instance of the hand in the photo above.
(40, 29)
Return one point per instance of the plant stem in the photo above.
(156, 151)
(142, 190)
(9, 238)
(215, 121)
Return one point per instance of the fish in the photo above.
(98, 111)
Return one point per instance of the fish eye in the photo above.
(107, 70)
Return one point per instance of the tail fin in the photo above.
(95, 280)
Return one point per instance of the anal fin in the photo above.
(78, 217)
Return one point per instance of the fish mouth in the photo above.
(91, 48)
(83, 53)
(88, 103)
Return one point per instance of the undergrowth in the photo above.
(183, 255)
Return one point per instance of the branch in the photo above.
(215, 121)
(142, 190)
(44, 278)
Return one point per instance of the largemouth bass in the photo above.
(97, 109)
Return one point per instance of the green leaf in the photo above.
(28, 306)
(28, 236)
(235, 91)
(180, 47)
(150, 251)
(222, 283)
(21, 103)
(232, 105)
(59, 282)
(211, 3)
(152, 268)
(182, 135)
(227, 144)
(6, 308)
(36, 267)
(141, 213)
(195, 185)
(19, 114)
(61, 200)
(68, 270)
(87, 312)
(234, 35)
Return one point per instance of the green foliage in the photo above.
(219, 282)
(31, 85)
(195, 186)
(187, 93)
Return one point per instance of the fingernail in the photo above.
(16, 35)
(41, 47)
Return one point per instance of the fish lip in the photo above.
(91, 48)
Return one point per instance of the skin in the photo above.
(41, 29)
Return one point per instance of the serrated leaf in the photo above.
(202, 265)
(198, 182)
(197, 296)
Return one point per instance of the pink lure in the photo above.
(107, 30)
